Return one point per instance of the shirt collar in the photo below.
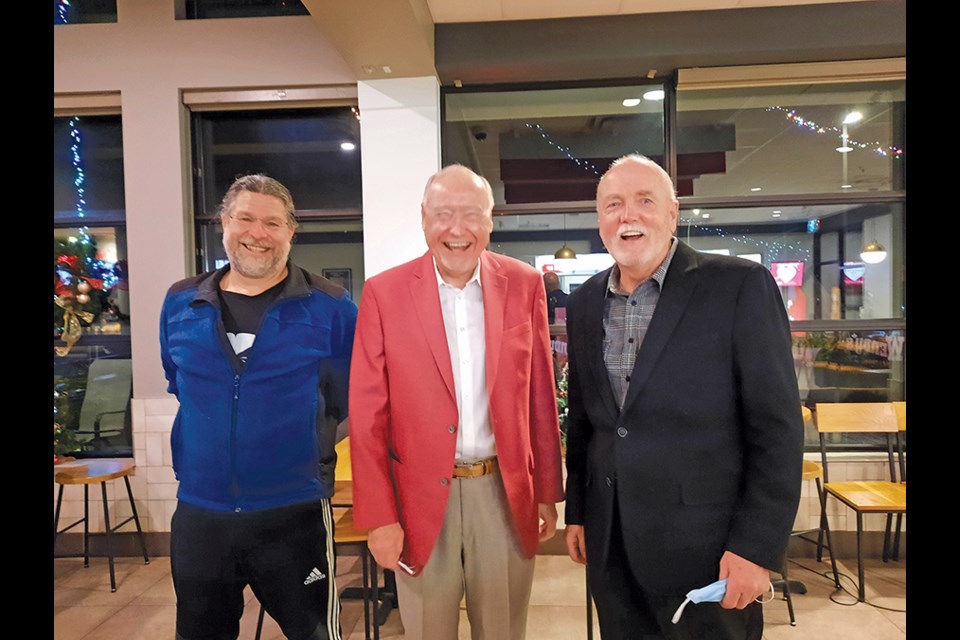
(659, 275)
(474, 277)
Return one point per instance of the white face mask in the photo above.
(713, 592)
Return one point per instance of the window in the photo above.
(314, 152)
(84, 11)
(92, 380)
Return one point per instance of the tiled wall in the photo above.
(155, 488)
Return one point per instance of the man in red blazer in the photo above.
(453, 421)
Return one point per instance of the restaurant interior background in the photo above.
(783, 127)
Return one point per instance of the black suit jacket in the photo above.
(706, 454)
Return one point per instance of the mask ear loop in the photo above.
(773, 595)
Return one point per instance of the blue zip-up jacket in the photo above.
(263, 435)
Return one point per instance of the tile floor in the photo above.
(143, 608)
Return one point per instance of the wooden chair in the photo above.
(900, 408)
(96, 472)
(866, 496)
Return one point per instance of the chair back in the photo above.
(344, 470)
(860, 418)
(107, 398)
(900, 408)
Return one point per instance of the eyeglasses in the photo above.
(272, 225)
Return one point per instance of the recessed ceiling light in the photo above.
(656, 94)
(705, 216)
(844, 149)
(846, 186)
(347, 146)
(754, 188)
(631, 102)
(696, 212)
(777, 211)
(776, 214)
(853, 116)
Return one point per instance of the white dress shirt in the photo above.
(463, 322)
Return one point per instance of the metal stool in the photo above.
(87, 473)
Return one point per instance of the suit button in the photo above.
(609, 481)
(622, 432)
(452, 428)
(444, 481)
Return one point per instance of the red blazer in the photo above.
(403, 409)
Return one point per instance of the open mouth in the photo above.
(457, 246)
(254, 248)
(631, 235)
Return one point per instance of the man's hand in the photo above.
(386, 543)
(548, 520)
(746, 581)
(576, 547)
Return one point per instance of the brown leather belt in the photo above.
(475, 469)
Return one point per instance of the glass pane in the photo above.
(92, 380)
(551, 145)
(201, 9)
(815, 252)
(84, 11)
(831, 138)
(88, 170)
(314, 152)
(849, 366)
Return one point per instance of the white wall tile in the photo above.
(162, 423)
(161, 406)
(163, 491)
(154, 449)
(160, 474)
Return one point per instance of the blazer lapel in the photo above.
(426, 304)
(494, 287)
(678, 287)
(593, 303)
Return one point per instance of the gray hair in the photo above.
(259, 183)
(644, 160)
(459, 168)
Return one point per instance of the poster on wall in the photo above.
(787, 274)
(342, 277)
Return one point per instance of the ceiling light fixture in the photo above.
(755, 189)
(347, 146)
(873, 253)
(846, 186)
(853, 116)
(631, 102)
(776, 214)
(705, 216)
(655, 94)
(565, 252)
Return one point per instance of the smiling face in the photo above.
(257, 235)
(457, 220)
(637, 215)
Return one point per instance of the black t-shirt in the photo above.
(242, 316)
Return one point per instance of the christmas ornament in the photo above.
(83, 287)
(83, 298)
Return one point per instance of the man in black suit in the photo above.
(685, 439)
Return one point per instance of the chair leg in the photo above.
(586, 574)
(825, 524)
(896, 538)
(366, 594)
(885, 556)
(106, 527)
(86, 526)
(375, 581)
(136, 521)
(259, 624)
(56, 517)
(862, 591)
(786, 593)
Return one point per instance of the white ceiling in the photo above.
(447, 11)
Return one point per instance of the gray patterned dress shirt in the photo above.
(626, 317)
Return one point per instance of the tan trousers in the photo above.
(477, 555)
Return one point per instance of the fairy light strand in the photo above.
(774, 248)
(586, 165)
(810, 125)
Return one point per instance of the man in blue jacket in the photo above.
(258, 354)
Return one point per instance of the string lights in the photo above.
(810, 125)
(773, 248)
(586, 165)
(62, 8)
